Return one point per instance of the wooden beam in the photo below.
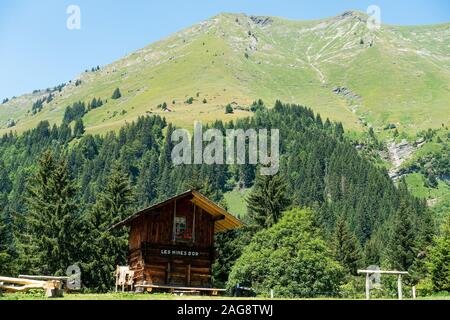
(20, 281)
(219, 218)
(43, 278)
(382, 272)
(155, 286)
(22, 288)
(53, 288)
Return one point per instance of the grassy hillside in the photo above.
(431, 160)
(396, 75)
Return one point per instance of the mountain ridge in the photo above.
(335, 65)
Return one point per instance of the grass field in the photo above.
(126, 296)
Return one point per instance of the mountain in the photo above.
(337, 66)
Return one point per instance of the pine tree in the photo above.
(346, 247)
(198, 183)
(93, 104)
(51, 222)
(65, 133)
(107, 248)
(439, 260)
(147, 179)
(373, 251)
(117, 94)
(78, 130)
(268, 200)
(6, 223)
(402, 249)
(229, 109)
(5, 257)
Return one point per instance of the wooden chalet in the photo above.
(171, 244)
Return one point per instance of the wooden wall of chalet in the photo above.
(152, 233)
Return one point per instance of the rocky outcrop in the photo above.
(397, 154)
(10, 123)
(262, 21)
(353, 15)
(346, 93)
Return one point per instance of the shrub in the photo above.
(291, 258)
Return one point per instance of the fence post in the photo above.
(400, 291)
(367, 287)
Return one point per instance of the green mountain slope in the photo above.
(337, 66)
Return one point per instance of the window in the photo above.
(181, 230)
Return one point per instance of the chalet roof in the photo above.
(224, 220)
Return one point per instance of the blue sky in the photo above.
(38, 51)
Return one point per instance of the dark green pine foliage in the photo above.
(199, 183)
(116, 94)
(229, 247)
(49, 243)
(64, 133)
(321, 168)
(106, 247)
(439, 260)
(229, 109)
(5, 257)
(147, 181)
(267, 201)
(373, 251)
(78, 129)
(402, 250)
(6, 240)
(74, 112)
(346, 247)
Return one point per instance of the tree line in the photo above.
(329, 211)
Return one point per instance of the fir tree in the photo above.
(373, 251)
(107, 248)
(51, 222)
(346, 247)
(268, 200)
(402, 249)
(116, 94)
(228, 109)
(147, 182)
(93, 104)
(201, 184)
(5, 257)
(439, 260)
(78, 130)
